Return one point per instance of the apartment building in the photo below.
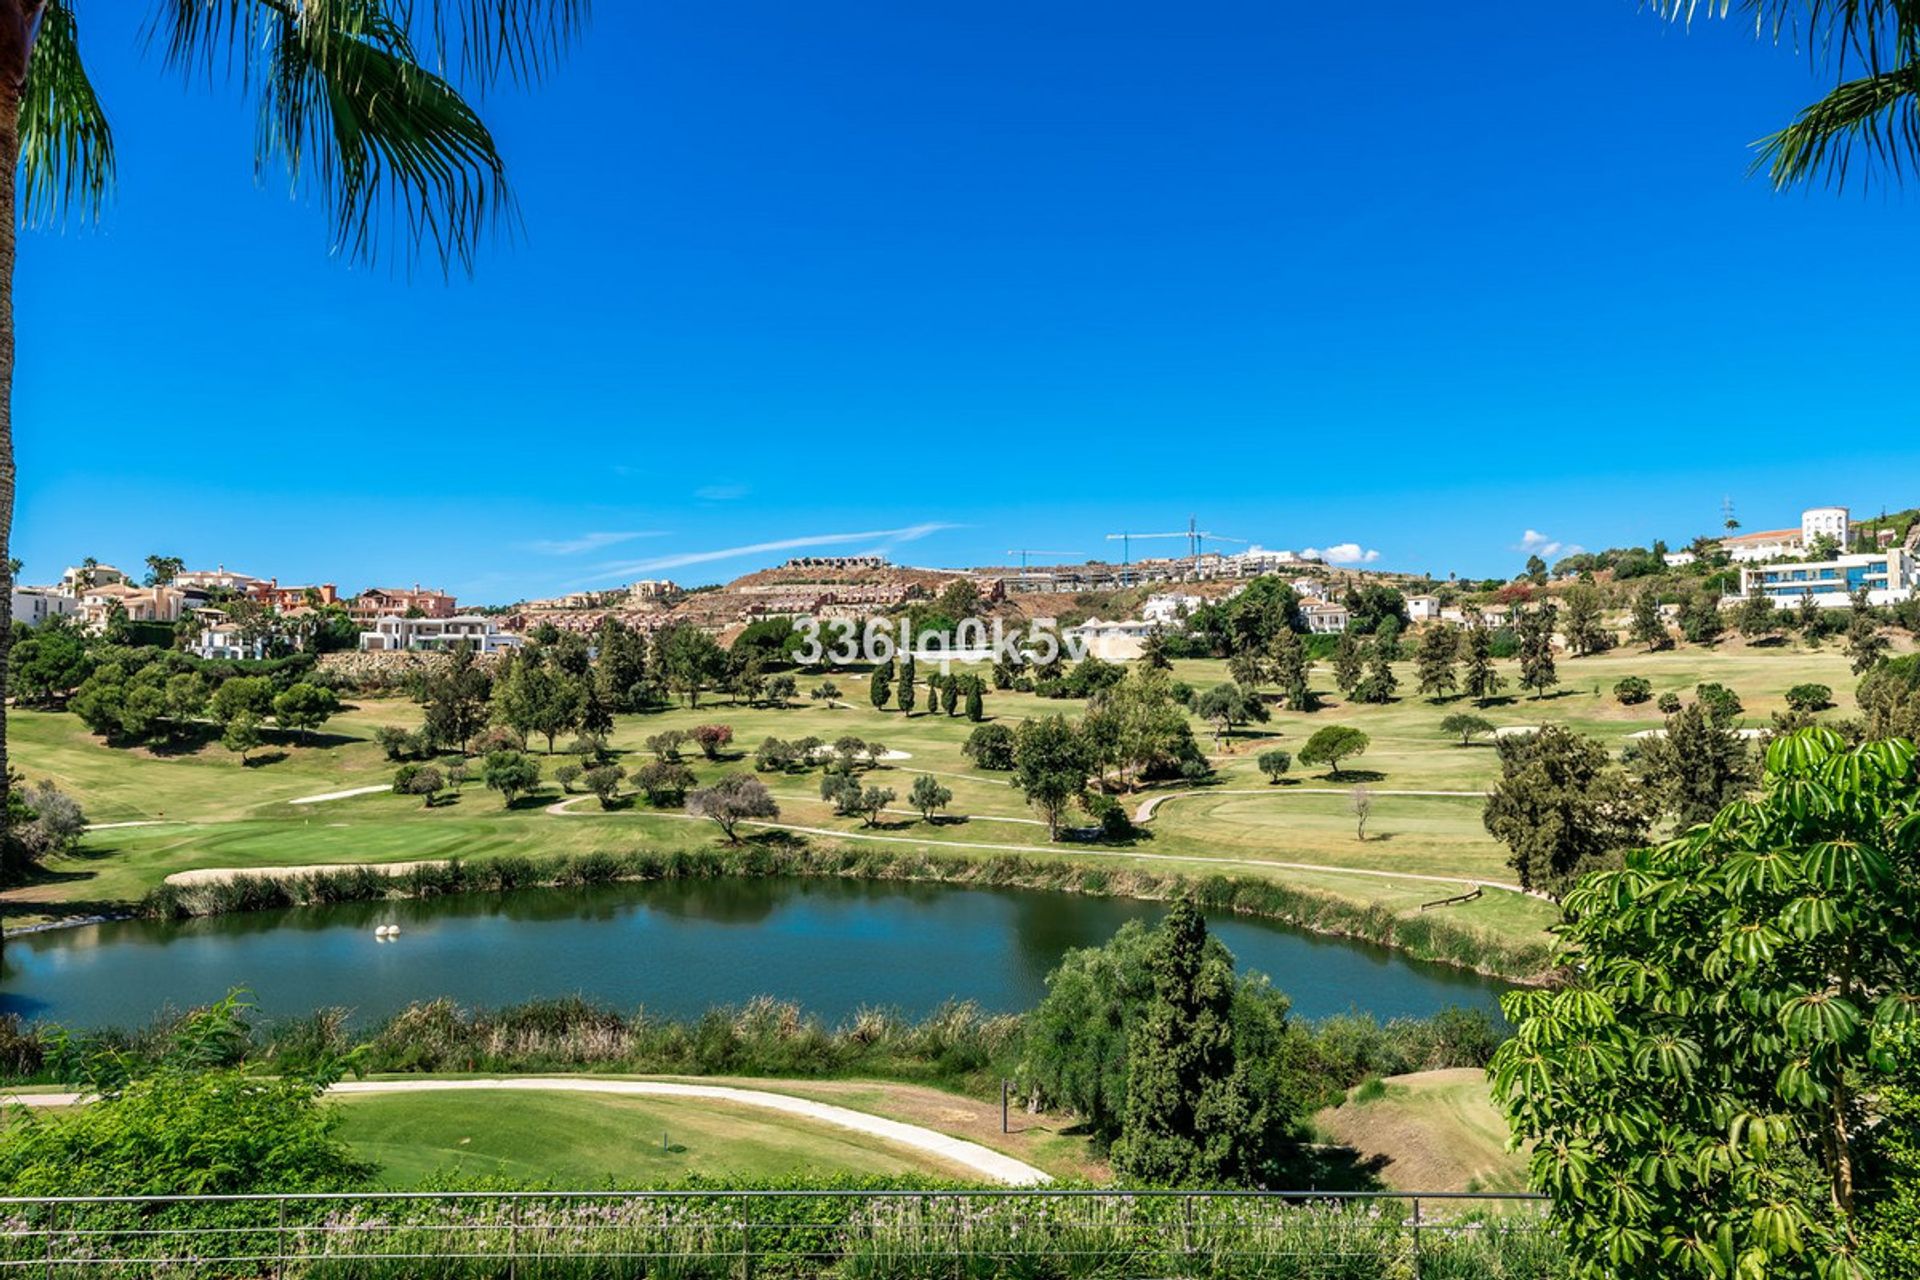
(1888, 577)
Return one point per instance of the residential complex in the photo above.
(1888, 577)
(379, 602)
(396, 634)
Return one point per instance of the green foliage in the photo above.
(1889, 695)
(880, 685)
(929, 796)
(304, 707)
(1434, 658)
(511, 773)
(664, 783)
(1228, 705)
(1648, 627)
(1866, 646)
(1809, 697)
(731, 800)
(1721, 704)
(1631, 691)
(1584, 630)
(1561, 807)
(1703, 1098)
(1289, 667)
(1466, 727)
(1535, 630)
(1349, 661)
(1274, 764)
(242, 734)
(1700, 619)
(1331, 745)
(1050, 767)
(1697, 767)
(1480, 681)
(990, 747)
(1378, 684)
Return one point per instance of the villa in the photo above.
(1325, 618)
(376, 603)
(34, 605)
(1117, 641)
(1888, 577)
(397, 634)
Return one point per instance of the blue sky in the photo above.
(953, 279)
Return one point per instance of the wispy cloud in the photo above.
(883, 538)
(1536, 543)
(1342, 553)
(589, 542)
(721, 492)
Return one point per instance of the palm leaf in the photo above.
(66, 147)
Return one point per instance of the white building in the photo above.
(1679, 559)
(220, 638)
(391, 634)
(219, 578)
(1309, 588)
(78, 577)
(34, 605)
(1325, 618)
(1829, 522)
(1888, 577)
(1783, 544)
(1423, 608)
(1170, 607)
(1118, 641)
(1256, 560)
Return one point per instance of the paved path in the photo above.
(325, 796)
(969, 1155)
(142, 822)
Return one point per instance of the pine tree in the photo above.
(1537, 670)
(1648, 628)
(1348, 662)
(1584, 632)
(1378, 684)
(1481, 680)
(904, 694)
(1189, 1118)
(1433, 661)
(1290, 669)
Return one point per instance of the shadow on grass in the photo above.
(1351, 776)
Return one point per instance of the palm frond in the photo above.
(66, 146)
(1876, 115)
(392, 149)
(482, 41)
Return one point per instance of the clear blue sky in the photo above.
(1415, 277)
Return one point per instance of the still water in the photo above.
(674, 947)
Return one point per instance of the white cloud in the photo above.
(885, 538)
(1536, 543)
(1342, 553)
(588, 542)
(720, 492)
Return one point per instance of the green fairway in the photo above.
(201, 808)
(587, 1140)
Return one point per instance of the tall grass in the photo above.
(1422, 937)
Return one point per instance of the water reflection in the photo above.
(674, 947)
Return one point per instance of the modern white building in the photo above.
(34, 605)
(1888, 577)
(1781, 544)
(392, 634)
(1324, 617)
(1829, 522)
(220, 638)
(219, 578)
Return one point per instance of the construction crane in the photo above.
(1024, 552)
(1196, 538)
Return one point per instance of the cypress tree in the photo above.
(880, 688)
(904, 695)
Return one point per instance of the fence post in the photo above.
(513, 1239)
(1416, 1239)
(53, 1226)
(280, 1244)
(746, 1240)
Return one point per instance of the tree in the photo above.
(1648, 627)
(1809, 697)
(1349, 660)
(1360, 804)
(162, 570)
(1050, 767)
(427, 782)
(1697, 767)
(1480, 680)
(1151, 733)
(1584, 632)
(1274, 764)
(1289, 668)
(928, 796)
(1721, 704)
(454, 697)
(976, 699)
(904, 695)
(620, 674)
(1866, 647)
(511, 773)
(304, 707)
(1631, 691)
(1537, 670)
(351, 105)
(1700, 618)
(873, 802)
(1756, 617)
(688, 660)
(1889, 696)
(1227, 705)
(1378, 684)
(990, 747)
(664, 783)
(241, 735)
(603, 781)
(1372, 605)
(1189, 1118)
(826, 691)
(712, 739)
(44, 821)
(1561, 807)
(1331, 745)
(880, 686)
(1703, 1098)
(535, 698)
(1536, 570)
(1868, 52)
(1465, 727)
(731, 800)
(1433, 661)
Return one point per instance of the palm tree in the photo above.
(347, 106)
(1872, 48)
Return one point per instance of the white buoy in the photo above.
(385, 931)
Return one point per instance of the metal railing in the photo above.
(784, 1235)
